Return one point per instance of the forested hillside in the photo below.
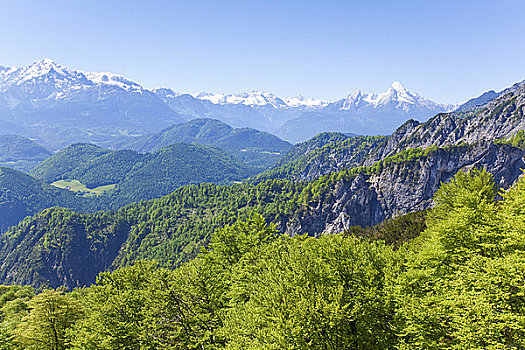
(455, 286)
(21, 195)
(88, 178)
(139, 176)
(251, 146)
(466, 139)
(172, 229)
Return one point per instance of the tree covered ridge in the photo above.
(459, 285)
(176, 165)
(253, 147)
(172, 229)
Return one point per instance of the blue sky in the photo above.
(448, 51)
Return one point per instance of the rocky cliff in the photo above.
(369, 197)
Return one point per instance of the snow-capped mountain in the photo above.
(111, 79)
(57, 105)
(396, 96)
(301, 101)
(364, 113)
(254, 98)
(261, 98)
(56, 78)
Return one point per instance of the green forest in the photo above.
(449, 278)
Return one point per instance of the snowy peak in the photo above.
(110, 79)
(45, 66)
(398, 87)
(44, 71)
(261, 98)
(165, 92)
(47, 76)
(254, 98)
(396, 96)
(301, 101)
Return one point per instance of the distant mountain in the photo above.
(298, 119)
(254, 98)
(21, 153)
(487, 97)
(478, 101)
(238, 115)
(498, 120)
(59, 106)
(250, 146)
(363, 113)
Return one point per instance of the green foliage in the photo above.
(21, 153)
(325, 150)
(461, 283)
(172, 229)
(141, 176)
(63, 163)
(250, 289)
(13, 306)
(116, 308)
(230, 243)
(126, 177)
(143, 307)
(51, 315)
(517, 140)
(465, 219)
(395, 231)
(316, 142)
(59, 247)
(306, 293)
(21, 195)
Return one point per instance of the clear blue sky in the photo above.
(448, 51)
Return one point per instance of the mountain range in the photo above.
(58, 106)
(328, 184)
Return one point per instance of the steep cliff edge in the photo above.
(391, 188)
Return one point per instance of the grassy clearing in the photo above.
(77, 186)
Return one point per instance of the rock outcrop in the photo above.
(399, 188)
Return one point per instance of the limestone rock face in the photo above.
(402, 187)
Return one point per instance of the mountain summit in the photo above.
(58, 106)
(397, 95)
(364, 113)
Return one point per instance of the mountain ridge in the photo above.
(47, 99)
(253, 147)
